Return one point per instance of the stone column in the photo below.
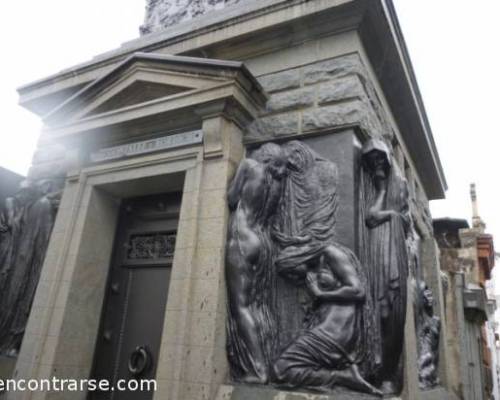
(410, 373)
(42, 333)
(460, 342)
(193, 360)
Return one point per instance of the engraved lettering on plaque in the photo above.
(147, 146)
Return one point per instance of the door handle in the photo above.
(139, 361)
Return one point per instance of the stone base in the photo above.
(7, 365)
(438, 393)
(230, 392)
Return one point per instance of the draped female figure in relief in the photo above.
(384, 252)
(26, 224)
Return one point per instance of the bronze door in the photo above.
(134, 307)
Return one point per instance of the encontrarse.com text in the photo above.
(76, 385)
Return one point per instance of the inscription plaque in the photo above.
(147, 146)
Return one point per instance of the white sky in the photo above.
(451, 42)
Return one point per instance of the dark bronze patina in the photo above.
(253, 198)
(386, 258)
(26, 223)
(428, 332)
(283, 204)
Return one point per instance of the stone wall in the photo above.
(330, 95)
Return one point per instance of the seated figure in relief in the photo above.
(327, 353)
(333, 347)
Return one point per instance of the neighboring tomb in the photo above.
(467, 258)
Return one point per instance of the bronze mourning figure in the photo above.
(428, 331)
(253, 198)
(26, 221)
(386, 258)
(282, 238)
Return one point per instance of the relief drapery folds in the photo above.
(26, 221)
(384, 253)
(284, 202)
(428, 332)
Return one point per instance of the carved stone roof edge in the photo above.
(178, 33)
(253, 85)
(383, 13)
(230, 94)
(395, 28)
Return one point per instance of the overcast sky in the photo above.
(453, 45)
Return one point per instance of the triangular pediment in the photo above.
(136, 93)
(143, 79)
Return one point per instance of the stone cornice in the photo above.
(221, 70)
(390, 58)
(183, 32)
(374, 20)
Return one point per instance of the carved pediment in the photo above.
(137, 92)
(141, 80)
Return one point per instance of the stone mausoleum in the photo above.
(236, 205)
